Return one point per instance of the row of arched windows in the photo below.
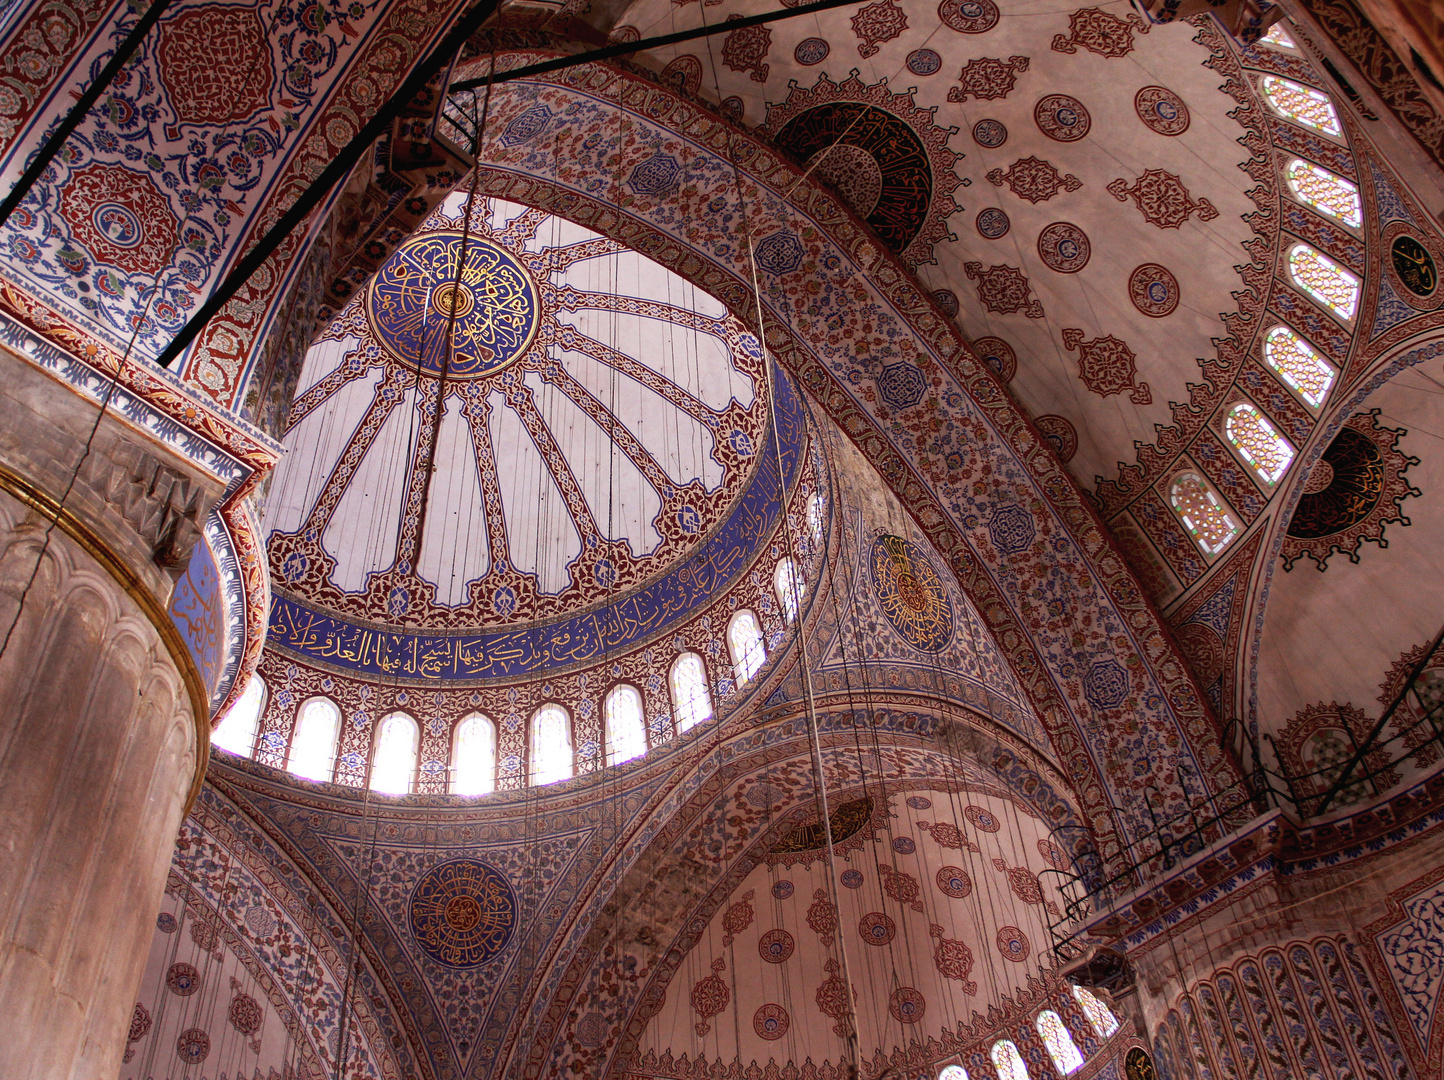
(1248, 432)
(1053, 1033)
(395, 750)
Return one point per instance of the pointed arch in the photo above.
(626, 724)
(691, 700)
(393, 757)
(552, 756)
(473, 756)
(313, 740)
(237, 730)
(744, 642)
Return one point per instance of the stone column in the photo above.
(102, 719)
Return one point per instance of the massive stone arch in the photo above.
(900, 380)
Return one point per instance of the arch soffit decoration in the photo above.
(254, 866)
(1024, 547)
(668, 812)
(905, 753)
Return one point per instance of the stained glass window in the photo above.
(394, 762)
(313, 743)
(744, 638)
(1257, 442)
(1008, 1061)
(626, 732)
(1325, 280)
(815, 517)
(551, 745)
(237, 730)
(1302, 104)
(952, 1072)
(787, 583)
(1277, 35)
(1324, 191)
(473, 757)
(1099, 1015)
(1210, 525)
(1061, 1047)
(1302, 368)
(690, 698)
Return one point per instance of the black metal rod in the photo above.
(81, 108)
(1367, 744)
(626, 48)
(333, 174)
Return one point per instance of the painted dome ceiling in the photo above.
(518, 422)
(1070, 183)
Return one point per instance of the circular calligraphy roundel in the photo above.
(463, 913)
(417, 291)
(911, 594)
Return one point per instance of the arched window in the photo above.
(952, 1072)
(1325, 280)
(626, 729)
(787, 584)
(1099, 1015)
(1211, 526)
(1303, 105)
(1277, 35)
(1061, 1047)
(473, 756)
(551, 745)
(1303, 369)
(237, 730)
(690, 699)
(1257, 442)
(1008, 1061)
(744, 638)
(815, 517)
(313, 743)
(393, 761)
(1324, 191)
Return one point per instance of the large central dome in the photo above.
(520, 424)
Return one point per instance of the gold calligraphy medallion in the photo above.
(463, 913)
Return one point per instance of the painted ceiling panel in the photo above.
(454, 548)
(622, 501)
(698, 361)
(1052, 128)
(316, 441)
(589, 434)
(541, 533)
(361, 535)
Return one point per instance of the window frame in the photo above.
(571, 729)
(608, 754)
(415, 777)
(255, 678)
(706, 690)
(1270, 484)
(1291, 118)
(330, 777)
(738, 674)
(1278, 372)
(799, 589)
(1323, 303)
(1226, 506)
(1299, 159)
(464, 721)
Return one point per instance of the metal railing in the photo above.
(1369, 771)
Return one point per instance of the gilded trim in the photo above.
(115, 565)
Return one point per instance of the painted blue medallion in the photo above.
(415, 294)
(463, 913)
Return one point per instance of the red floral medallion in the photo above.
(121, 218)
(1107, 366)
(988, 78)
(1004, 289)
(1162, 199)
